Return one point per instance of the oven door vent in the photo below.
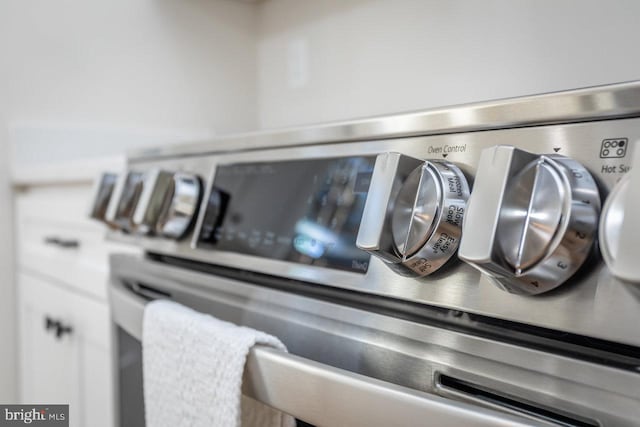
(469, 392)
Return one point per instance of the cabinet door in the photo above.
(56, 241)
(73, 368)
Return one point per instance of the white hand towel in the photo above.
(192, 370)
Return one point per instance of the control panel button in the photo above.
(531, 220)
(413, 215)
(619, 231)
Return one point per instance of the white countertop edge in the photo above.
(68, 172)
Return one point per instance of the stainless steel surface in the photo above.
(413, 215)
(124, 200)
(180, 206)
(460, 287)
(394, 350)
(326, 396)
(156, 186)
(540, 213)
(374, 235)
(417, 210)
(102, 192)
(541, 166)
(532, 215)
(315, 392)
(594, 103)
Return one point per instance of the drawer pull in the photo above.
(49, 323)
(62, 243)
(56, 325)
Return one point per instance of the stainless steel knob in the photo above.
(124, 201)
(412, 218)
(181, 206)
(531, 220)
(103, 189)
(168, 203)
(619, 231)
(155, 189)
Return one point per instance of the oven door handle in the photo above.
(324, 395)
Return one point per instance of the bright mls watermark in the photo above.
(34, 415)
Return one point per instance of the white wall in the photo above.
(128, 71)
(370, 57)
(82, 78)
(7, 291)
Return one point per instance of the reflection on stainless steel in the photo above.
(595, 103)
(179, 206)
(315, 392)
(532, 214)
(390, 349)
(542, 216)
(102, 193)
(156, 187)
(303, 211)
(124, 201)
(389, 173)
(416, 210)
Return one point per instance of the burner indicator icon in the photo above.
(613, 148)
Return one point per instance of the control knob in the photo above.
(619, 230)
(412, 217)
(124, 200)
(531, 220)
(168, 203)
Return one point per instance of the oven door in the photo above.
(347, 366)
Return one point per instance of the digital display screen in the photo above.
(303, 211)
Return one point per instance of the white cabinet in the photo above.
(65, 333)
(65, 351)
(56, 239)
(48, 362)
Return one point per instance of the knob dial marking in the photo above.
(413, 215)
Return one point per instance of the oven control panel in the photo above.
(304, 211)
(535, 225)
(529, 222)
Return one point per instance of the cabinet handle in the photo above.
(49, 323)
(62, 329)
(62, 243)
(59, 329)
(51, 240)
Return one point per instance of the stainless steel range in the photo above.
(473, 265)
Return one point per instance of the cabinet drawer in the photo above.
(56, 204)
(55, 239)
(74, 256)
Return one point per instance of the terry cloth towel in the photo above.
(192, 370)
